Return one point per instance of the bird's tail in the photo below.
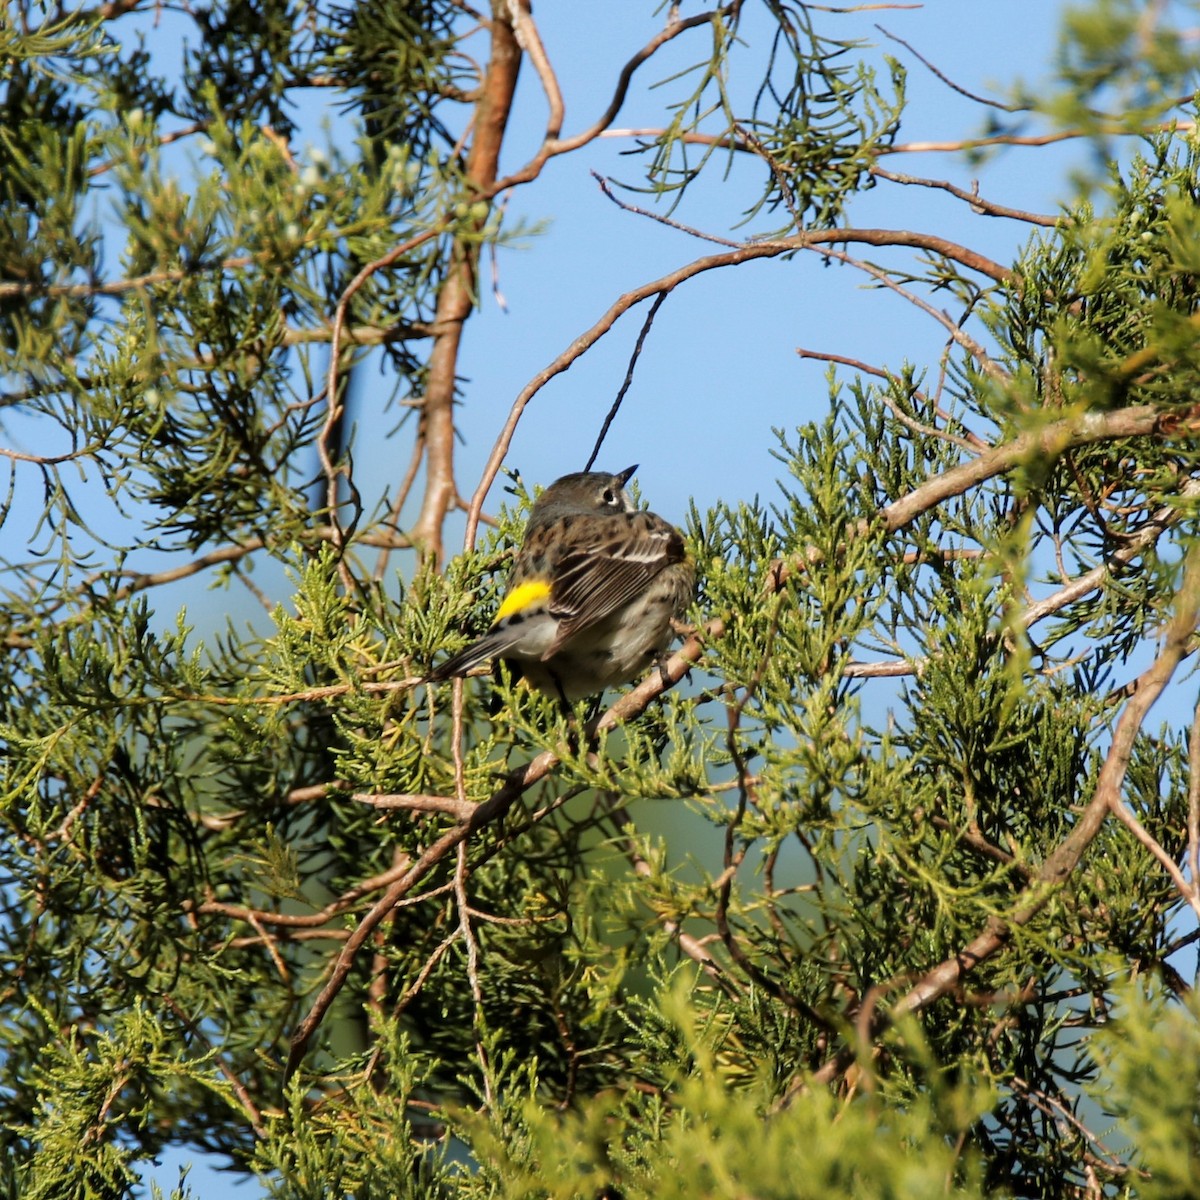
(491, 645)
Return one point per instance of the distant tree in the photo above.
(267, 896)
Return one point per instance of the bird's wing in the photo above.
(595, 577)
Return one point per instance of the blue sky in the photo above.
(720, 367)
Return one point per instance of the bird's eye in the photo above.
(610, 497)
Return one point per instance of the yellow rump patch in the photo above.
(523, 596)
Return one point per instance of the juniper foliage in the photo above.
(877, 949)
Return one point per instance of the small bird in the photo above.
(592, 592)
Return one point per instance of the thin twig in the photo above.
(971, 442)
(461, 870)
(690, 945)
(239, 1088)
(633, 358)
(333, 472)
(1110, 129)
(962, 91)
(978, 204)
(1127, 817)
(953, 328)
(661, 218)
(1193, 817)
(554, 145)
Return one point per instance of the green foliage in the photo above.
(816, 122)
(1113, 55)
(698, 1133)
(1149, 1080)
(97, 1090)
(846, 958)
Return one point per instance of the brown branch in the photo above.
(485, 813)
(1047, 443)
(362, 335)
(403, 488)
(605, 186)
(1127, 818)
(691, 946)
(456, 297)
(525, 31)
(1145, 690)
(461, 809)
(307, 695)
(856, 8)
(1137, 542)
(335, 471)
(488, 811)
(1053, 1106)
(954, 328)
(811, 238)
(949, 974)
(970, 442)
(1193, 814)
(290, 935)
(119, 287)
(554, 145)
(115, 8)
(139, 583)
(313, 920)
(51, 460)
(467, 931)
(666, 283)
(1110, 129)
(973, 839)
(239, 1088)
(581, 345)
(896, 668)
(986, 208)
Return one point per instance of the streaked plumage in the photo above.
(592, 593)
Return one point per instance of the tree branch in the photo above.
(948, 975)
(485, 813)
(553, 145)
(1047, 443)
(667, 283)
(456, 297)
(986, 208)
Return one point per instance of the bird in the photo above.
(592, 594)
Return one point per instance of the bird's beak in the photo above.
(623, 477)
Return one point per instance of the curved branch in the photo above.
(1084, 430)
(962, 91)
(583, 343)
(554, 145)
(667, 283)
(1054, 872)
(949, 974)
(481, 815)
